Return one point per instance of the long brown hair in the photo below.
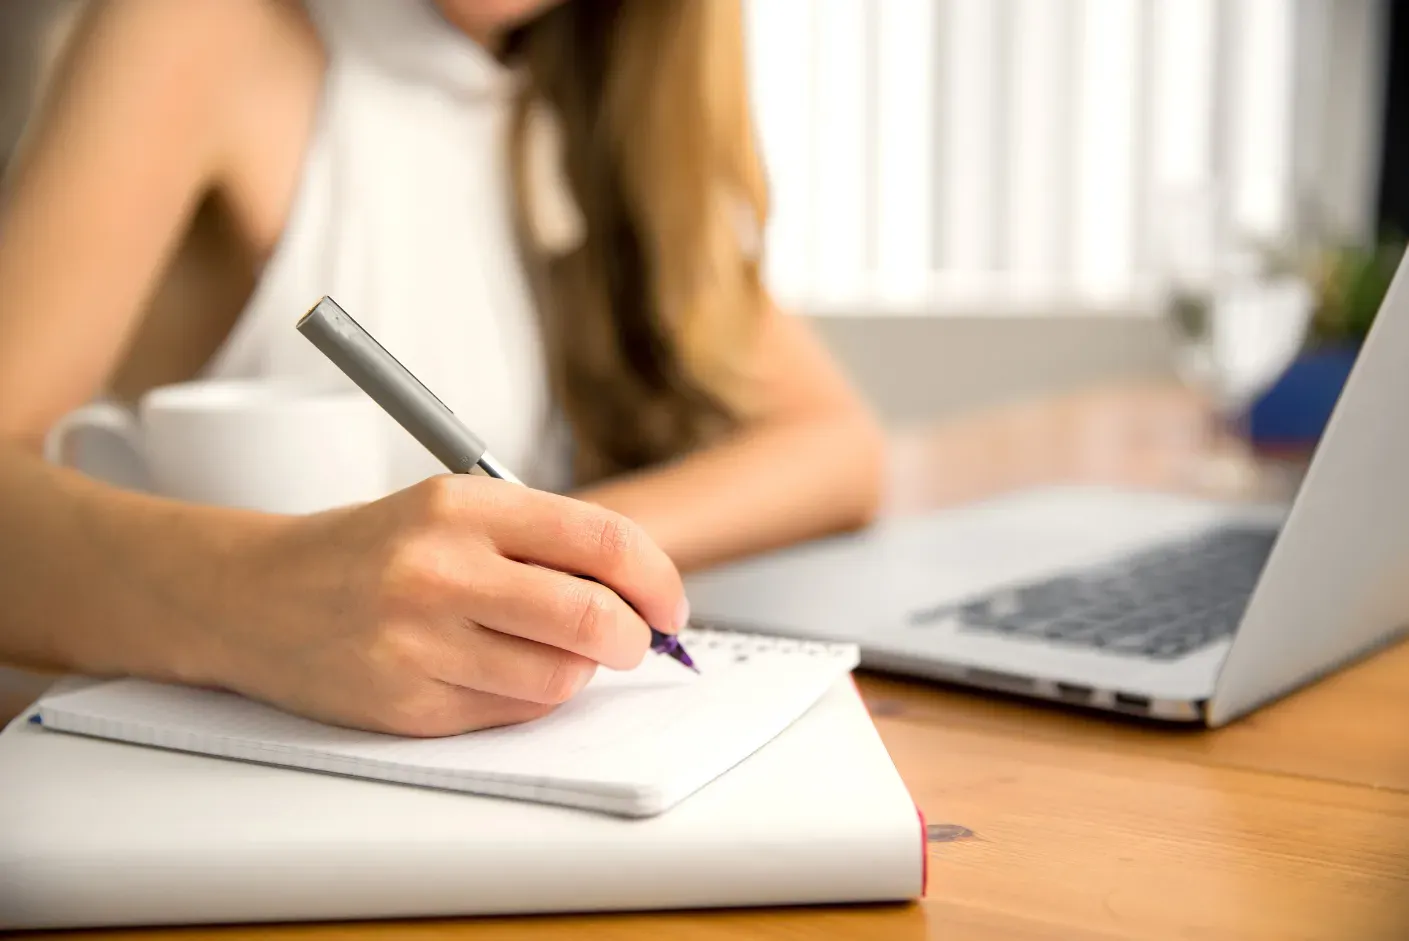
(647, 316)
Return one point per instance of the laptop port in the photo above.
(1133, 702)
(1071, 692)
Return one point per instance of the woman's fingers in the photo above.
(560, 611)
(512, 667)
(582, 539)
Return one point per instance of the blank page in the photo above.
(633, 742)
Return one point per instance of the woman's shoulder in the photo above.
(216, 93)
(180, 60)
(198, 42)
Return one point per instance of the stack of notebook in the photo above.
(759, 781)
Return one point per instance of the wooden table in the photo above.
(1053, 824)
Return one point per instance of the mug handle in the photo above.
(114, 424)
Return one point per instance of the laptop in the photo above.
(1146, 603)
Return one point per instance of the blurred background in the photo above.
(979, 200)
(982, 199)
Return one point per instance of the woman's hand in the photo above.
(442, 608)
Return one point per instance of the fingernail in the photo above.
(581, 682)
(682, 614)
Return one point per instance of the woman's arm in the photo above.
(133, 132)
(130, 137)
(810, 463)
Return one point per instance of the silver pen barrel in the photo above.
(392, 386)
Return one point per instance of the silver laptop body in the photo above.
(1141, 602)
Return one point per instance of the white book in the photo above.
(632, 742)
(103, 833)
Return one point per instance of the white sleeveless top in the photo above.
(402, 215)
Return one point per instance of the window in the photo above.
(996, 156)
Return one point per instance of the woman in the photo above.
(553, 211)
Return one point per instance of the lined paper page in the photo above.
(632, 742)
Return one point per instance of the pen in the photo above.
(416, 409)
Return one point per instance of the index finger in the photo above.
(580, 538)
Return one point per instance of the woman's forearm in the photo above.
(771, 486)
(104, 582)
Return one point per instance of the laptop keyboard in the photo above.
(1160, 603)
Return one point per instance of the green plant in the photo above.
(1349, 284)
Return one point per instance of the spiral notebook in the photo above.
(632, 743)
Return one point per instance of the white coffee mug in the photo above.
(280, 446)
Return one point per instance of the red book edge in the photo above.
(924, 827)
(924, 853)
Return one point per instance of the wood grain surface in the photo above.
(1051, 824)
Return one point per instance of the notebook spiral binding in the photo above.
(741, 637)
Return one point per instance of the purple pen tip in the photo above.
(670, 644)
